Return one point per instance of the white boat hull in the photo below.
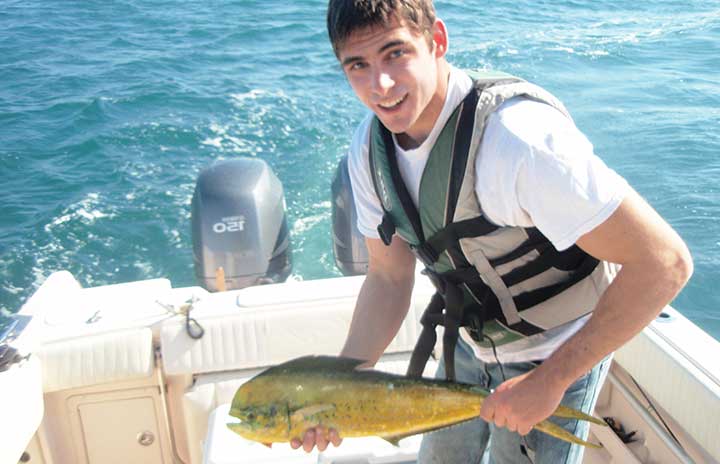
(123, 382)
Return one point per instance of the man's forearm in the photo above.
(656, 264)
(630, 303)
(380, 310)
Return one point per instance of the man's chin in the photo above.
(394, 126)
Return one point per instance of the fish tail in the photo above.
(570, 413)
(553, 429)
(562, 434)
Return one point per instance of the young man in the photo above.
(538, 229)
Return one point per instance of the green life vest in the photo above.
(505, 283)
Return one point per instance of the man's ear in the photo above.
(440, 38)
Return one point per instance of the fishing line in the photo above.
(657, 413)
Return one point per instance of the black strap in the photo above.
(402, 192)
(531, 298)
(449, 236)
(568, 260)
(526, 328)
(461, 151)
(451, 319)
(540, 264)
(386, 228)
(461, 275)
(535, 241)
(426, 342)
(451, 322)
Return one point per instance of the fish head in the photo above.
(274, 405)
(263, 423)
(262, 416)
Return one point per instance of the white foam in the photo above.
(251, 95)
(218, 129)
(306, 223)
(240, 99)
(214, 142)
(12, 289)
(91, 215)
(597, 53)
(85, 210)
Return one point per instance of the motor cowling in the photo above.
(351, 256)
(239, 224)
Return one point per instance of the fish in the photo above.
(283, 401)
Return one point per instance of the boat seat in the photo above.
(248, 338)
(90, 360)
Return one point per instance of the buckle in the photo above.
(386, 229)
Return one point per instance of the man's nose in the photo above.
(382, 82)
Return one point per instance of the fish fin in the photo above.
(315, 363)
(570, 413)
(304, 414)
(562, 434)
(395, 439)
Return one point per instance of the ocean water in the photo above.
(109, 110)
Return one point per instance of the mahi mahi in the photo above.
(284, 401)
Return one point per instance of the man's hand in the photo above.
(319, 436)
(521, 402)
(381, 307)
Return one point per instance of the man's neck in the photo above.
(412, 139)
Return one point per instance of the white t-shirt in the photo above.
(534, 168)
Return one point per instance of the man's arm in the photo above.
(656, 264)
(383, 301)
(381, 307)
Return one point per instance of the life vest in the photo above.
(499, 283)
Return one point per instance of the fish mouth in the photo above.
(240, 423)
(241, 428)
(238, 413)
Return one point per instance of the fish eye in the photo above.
(251, 416)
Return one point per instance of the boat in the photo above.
(143, 372)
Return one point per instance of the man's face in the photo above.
(394, 72)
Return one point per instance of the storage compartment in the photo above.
(120, 427)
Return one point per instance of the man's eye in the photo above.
(397, 53)
(357, 66)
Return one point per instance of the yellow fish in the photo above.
(284, 401)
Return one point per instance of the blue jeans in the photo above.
(467, 443)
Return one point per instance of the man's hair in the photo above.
(345, 17)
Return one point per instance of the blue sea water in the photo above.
(109, 110)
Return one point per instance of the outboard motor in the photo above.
(239, 224)
(351, 255)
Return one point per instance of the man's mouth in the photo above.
(391, 104)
